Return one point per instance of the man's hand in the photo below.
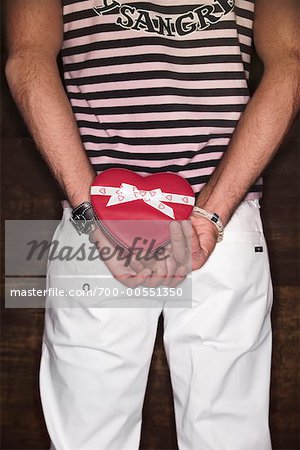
(176, 264)
(132, 275)
(169, 270)
(204, 239)
(192, 242)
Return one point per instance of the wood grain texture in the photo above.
(31, 193)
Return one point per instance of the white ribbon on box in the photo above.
(128, 193)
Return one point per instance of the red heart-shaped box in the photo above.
(147, 215)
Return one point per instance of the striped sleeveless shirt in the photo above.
(158, 85)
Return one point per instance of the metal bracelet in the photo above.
(83, 218)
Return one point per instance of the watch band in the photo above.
(213, 217)
(83, 218)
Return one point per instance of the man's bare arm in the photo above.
(270, 112)
(34, 37)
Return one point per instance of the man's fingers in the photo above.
(207, 244)
(136, 265)
(134, 280)
(178, 241)
(197, 257)
(179, 276)
(157, 278)
(171, 270)
(203, 243)
(187, 229)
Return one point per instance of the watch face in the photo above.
(83, 218)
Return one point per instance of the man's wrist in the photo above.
(77, 200)
(220, 207)
(212, 217)
(78, 193)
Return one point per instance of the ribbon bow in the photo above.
(128, 193)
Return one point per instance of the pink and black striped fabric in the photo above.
(158, 86)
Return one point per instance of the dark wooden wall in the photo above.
(29, 192)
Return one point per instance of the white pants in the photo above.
(95, 361)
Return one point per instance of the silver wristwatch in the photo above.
(83, 218)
